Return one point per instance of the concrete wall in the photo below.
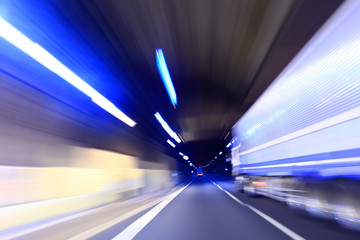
(59, 156)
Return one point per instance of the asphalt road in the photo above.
(208, 208)
(203, 211)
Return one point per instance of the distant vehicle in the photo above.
(199, 172)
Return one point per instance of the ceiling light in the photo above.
(165, 75)
(167, 127)
(170, 143)
(42, 56)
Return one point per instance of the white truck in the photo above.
(300, 141)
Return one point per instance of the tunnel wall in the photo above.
(55, 160)
(45, 178)
(60, 152)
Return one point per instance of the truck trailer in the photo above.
(300, 141)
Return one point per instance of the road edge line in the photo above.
(133, 229)
(275, 223)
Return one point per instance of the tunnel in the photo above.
(179, 119)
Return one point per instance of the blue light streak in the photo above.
(38, 53)
(171, 143)
(165, 75)
(167, 127)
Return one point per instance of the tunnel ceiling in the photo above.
(221, 55)
(214, 50)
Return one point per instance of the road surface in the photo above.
(208, 207)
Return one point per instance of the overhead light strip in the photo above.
(38, 53)
(167, 127)
(171, 143)
(165, 75)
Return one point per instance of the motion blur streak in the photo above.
(165, 75)
(33, 193)
(278, 225)
(267, 125)
(38, 53)
(167, 127)
(131, 231)
(170, 143)
(300, 139)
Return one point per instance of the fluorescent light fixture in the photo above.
(181, 138)
(186, 157)
(181, 153)
(165, 75)
(167, 127)
(170, 143)
(220, 153)
(16, 38)
(229, 144)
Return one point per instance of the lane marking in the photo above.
(275, 223)
(102, 227)
(131, 231)
(84, 235)
(230, 195)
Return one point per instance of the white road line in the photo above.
(230, 195)
(275, 223)
(131, 231)
(102, 227)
